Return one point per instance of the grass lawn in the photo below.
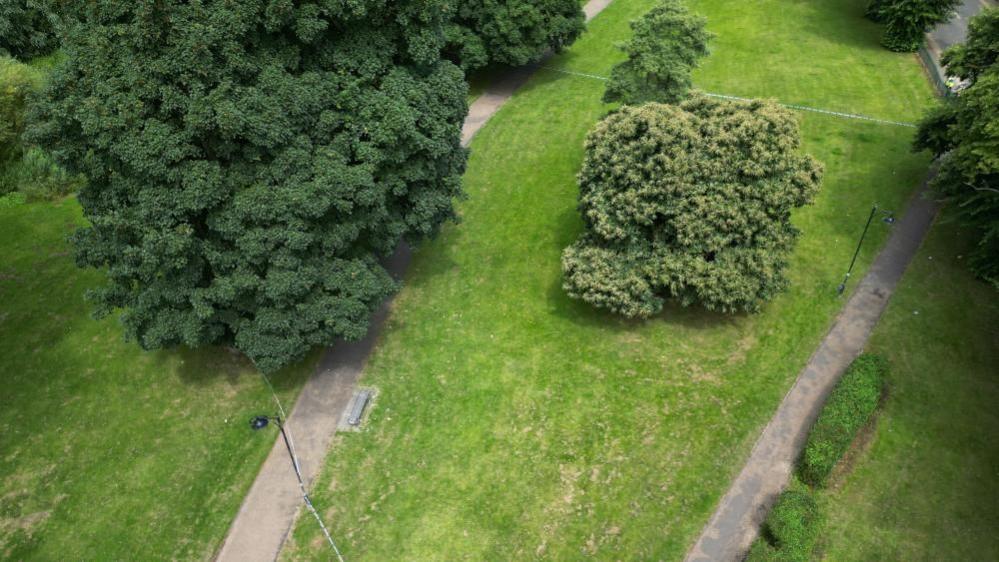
(926, 487)
(513, 422)
(108, 452)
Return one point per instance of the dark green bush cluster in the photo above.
(691, 202)
(513, 32)
(906, 21)
(848, 409)
(790, 530)
(28, 28)
(964, 134)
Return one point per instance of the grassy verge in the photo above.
(513, 422)
(926, 488)
(108, 452)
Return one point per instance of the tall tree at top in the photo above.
(512, 32)
(666, 45)
(250, 161)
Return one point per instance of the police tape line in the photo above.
(737, 98)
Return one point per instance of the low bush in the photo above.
(23, 167)
(791, 528)
(17, 81)
(38, 177)
(848, 409)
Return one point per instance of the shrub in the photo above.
(907, 21)
(513, 32)
(664, 48)
(691, 202)
(17, 82)
(38, 177)
(848, 408)
(249, 163)
(791, 528)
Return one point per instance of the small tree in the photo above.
(513, 32)
(250, 162)
(666, 45)
(964, 134)
(907, 21)
(691, 202)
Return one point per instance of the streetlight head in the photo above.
(890, 219)
(259, 422)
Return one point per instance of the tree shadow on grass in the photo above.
(852, 29)
(206, 365)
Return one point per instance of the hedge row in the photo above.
(790, 530)
(848, 409)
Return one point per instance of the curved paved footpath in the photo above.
(269, 509)
(737, 519)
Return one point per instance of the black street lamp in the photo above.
(260, 422)
(889, 218)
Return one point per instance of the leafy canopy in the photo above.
(907, 21)
(28, 27)
(249, 162)
(691, 202)
(666, 45)
(512, 32)
(964, 134)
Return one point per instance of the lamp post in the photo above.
(889, 218)
(260, 422)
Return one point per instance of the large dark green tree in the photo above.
(28, 28)
(665, 46)
(512, 32)
(907, 21)
(250, 161)
(690, 202)
(964, 133)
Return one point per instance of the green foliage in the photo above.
(513, 32)
(17, 81)
(907, 21)
(38, 177)
(248, 164)
(664, 48)
(848, 408)
(23, 167)
(28, 28)
(964, 134)
(875, 10)
(691, 202)
(790, 530)
(981, 49)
